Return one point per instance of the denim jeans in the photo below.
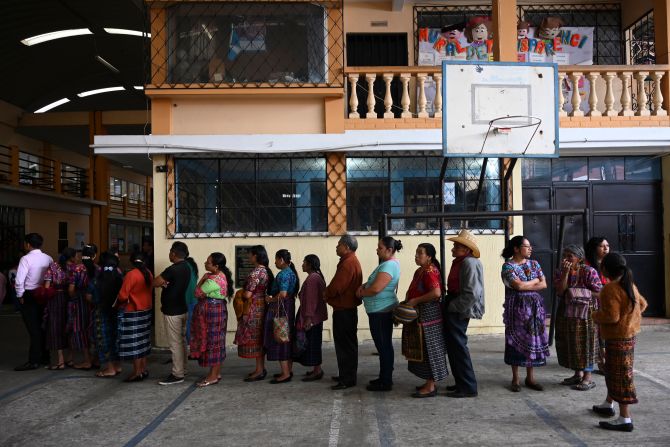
(381, 328)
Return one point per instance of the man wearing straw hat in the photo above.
(465, 300)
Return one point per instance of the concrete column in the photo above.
(98, 187)
(504, 30)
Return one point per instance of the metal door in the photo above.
(539, 230)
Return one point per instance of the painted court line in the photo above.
(146, 431)
(651, 378)
(386, 433)
(48, 378)
(334, 435)
(555, 424)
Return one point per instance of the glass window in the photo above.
(606, 168)
(643, 168)
(536, 169)
(252, 195)
(569, 169)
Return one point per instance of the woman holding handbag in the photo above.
(577, 288)
(210, 318)
(280, 316)
(55, 315)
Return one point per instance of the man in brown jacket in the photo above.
(341, 295)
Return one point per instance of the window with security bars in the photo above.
(605, 18)
(251, 195)
(263, 43)
(378, 185)
(641, 41)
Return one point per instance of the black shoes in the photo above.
(313, 377)
(341, 386)
(256, 378)
(420, 395)
(276, 380)
(451, 387)
(460, 395)
(379, 386)
(335, 378)
(603, 411)
(27, 366)
(616, 427)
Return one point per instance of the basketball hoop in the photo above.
(505, 124)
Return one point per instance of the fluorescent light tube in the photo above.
(98, 91)
(34, 40)
(127, 32)
(52, 105)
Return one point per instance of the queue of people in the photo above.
(90, 307)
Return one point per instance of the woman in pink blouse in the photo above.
(311, 315)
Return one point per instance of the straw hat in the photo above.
(466, 238)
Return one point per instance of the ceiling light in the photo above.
(106, 64)
(55, 35)
(52, 105)
(138, 87)
(127, 32)
(98, 91)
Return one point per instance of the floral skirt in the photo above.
(249, 335)
(525, 329)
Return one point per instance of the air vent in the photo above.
(379, 23)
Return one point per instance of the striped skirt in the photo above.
(55, 321)
(79, 324)
(208, 332)
(619, 357)
(311, 356)
(134, 334)
(576, 340)
(434, 364)
(105, 329)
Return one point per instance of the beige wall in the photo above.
(46, 224)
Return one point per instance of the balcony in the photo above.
(607, 96)
(130, 209)
(24, 170)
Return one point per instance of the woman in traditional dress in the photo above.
(311, 315)
(249, 334)
(56, 309)
(210, 318)
(281, 302)
(424, 293)
(619, 319)
(526, 341)
(134, 318)
(79, 325)
(576, 338)
(380, 298)
(103, 292)
(596, 249)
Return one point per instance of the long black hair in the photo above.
(109, 280)
(614, 266)
(315, 264)
(285, 255)
(262, 259)
(430, 251)
(139, 261)
(65, 255)
(515, 242)
(88, 254)
(591, 251)
(219, 260)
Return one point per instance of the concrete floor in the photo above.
(73, 408)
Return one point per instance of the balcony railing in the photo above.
(129, 208)
(387, 93)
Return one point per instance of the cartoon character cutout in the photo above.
(522, 29)
(550, 28)
(478, 33)
(451, 39)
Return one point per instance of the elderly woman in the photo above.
(526, 341)
(311, 315)
(424, 293)
(379, 298)
(249, 335)
(577, 288)
(210, 318)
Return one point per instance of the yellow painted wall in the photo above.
(46, 224)
(247, 115)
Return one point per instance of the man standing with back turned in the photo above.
(29, 276)
(341, 295)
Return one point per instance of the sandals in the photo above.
(573, 380)
(584, 386)
(204, 382)
(534, 385)
(102, 375)
(59, 367)
(515, 387)
(132, 378)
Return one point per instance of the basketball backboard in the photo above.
(499, 109)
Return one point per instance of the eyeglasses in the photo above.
(526, 246)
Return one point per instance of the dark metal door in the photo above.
(539, 230)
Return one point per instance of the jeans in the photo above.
(381, 327)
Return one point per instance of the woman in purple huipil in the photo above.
(526, 341)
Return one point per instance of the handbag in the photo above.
(43, 294)
(280, 326)
(577, 302)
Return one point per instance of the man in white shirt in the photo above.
(29, 276)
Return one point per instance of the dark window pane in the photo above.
(408, 167)
(569, 169)
(367, 168)
(274, 169)
(276, 194)
(606, 168)
(199, 170)
(238, 194)
(536, 169)
(365, 204)
(238, 219)
(238, 169)
(306, 169)
(275, 219)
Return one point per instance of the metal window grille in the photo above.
(74, 180)
(388, 184)
(254, 195)
(247, 43)
(608, 48)
(36, 172)
(641, 41)
(12, 231)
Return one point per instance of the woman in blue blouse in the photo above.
(281, 300)
(380, 298)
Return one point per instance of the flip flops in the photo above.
(203, 383)
(59, 367)
(102, 375)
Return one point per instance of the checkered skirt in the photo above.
(134, 333)
(434, 364)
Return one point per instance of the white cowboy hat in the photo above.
(466, 238)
